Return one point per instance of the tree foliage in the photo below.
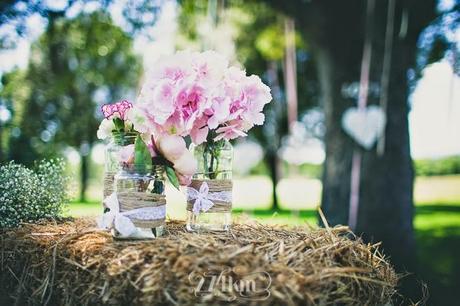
(137, 15)
(74, 66)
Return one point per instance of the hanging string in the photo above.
(290, 71)
(212, 20)
(385, 80)
(404, 24)
(212, 12)
(362, 101)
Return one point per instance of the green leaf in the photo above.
(172, 176)
(142, 156)
(119, 124)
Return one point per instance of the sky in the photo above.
(435, 103)
(434, 120)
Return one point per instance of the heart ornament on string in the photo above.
(365, 126)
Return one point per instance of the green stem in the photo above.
(212, 172)
(211, 169)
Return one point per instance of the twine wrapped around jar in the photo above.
(109, 178)
(215, 186)
(133, 200)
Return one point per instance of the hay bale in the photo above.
(72, 263)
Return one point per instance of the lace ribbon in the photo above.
(204, 199)
(121, 221)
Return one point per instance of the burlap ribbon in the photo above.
(109, 178)
(130, 200)
(215, 186)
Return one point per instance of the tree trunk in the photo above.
(273, 137)
(272, 160)
(334, 29)
(84, 176)
(385, 193)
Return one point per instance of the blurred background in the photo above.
(61, 60)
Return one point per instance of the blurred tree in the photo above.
(335, 31)
(76, 65)
(13, 94)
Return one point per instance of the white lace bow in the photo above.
(204, 199)
(121, 221)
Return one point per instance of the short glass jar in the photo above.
(141, 196)
(112, 158)
(215, 161)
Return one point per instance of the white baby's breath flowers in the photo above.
(27, 195)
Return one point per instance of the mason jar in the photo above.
(215, 160)
(112, 158)
(141, 197)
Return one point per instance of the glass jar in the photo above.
(215, 169)
(141, 198)
(112, 158)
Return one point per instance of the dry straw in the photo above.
(71, 263)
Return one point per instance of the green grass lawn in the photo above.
(297, 193)
(437, 221)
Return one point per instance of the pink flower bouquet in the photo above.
(199, 95)
(188, 94)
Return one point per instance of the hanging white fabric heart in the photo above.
(365, 126)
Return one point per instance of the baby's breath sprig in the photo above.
(28, 195)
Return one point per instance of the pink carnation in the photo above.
(116, 110)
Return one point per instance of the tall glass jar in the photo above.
(215, 161)
(141, 198)
(112, 158)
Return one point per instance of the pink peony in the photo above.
(173, 67)
(199, 135)
(172, 147)
(186, 164)
(219, 113)
(257, 94)
(229, 132)
(209, 67)
(158, 99)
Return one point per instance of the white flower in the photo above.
(105, 129)
(28, 195)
